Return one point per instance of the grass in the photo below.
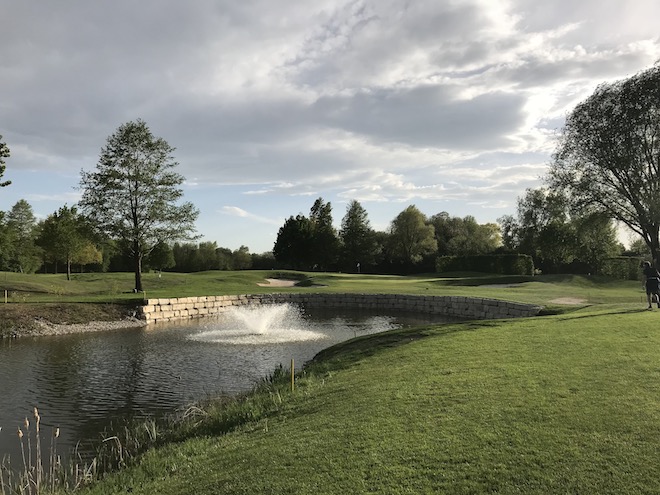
(566, 403)
(560, 404)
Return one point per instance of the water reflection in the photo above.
(81, 383)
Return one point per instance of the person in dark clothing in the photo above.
(652, 283)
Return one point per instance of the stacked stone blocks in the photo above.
(161, 310)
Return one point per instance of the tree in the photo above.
(556, 236)
(63, 237)
(412, 238)
(161, 256)
(88, 254)
(608, 158)
(464, 236)
(294, 244)
(21, 228)
(325, 244)
(596, 240)
(4, 153)
(133, 194)
(242, 260)
(358, 242)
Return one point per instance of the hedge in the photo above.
(503, 264)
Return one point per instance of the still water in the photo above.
(83, 383)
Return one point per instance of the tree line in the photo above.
(606, 168)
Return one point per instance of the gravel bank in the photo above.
(47, 328)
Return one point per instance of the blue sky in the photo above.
(448, 105)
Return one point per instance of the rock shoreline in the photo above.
(46, 328)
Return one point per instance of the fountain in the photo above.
(258, 325)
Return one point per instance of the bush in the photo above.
(503, 264)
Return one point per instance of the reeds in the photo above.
(31, 478)
(42, 471)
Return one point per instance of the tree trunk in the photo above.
(68, 269)
(138, 267)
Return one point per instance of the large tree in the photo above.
(411, 236)
(464, 236)
(4, 153)
(134, 194)
(294, 244)
(608, 159)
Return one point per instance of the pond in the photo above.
(82, 383)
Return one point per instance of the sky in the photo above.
(449, 105)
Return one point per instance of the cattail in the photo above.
(57, 432)
(37, 418)
(20, 432)
(27, 424)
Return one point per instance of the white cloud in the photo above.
(453, 104)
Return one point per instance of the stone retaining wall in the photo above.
(159, 310)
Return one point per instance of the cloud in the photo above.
(239, 212)
(456, 104)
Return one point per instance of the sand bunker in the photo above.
(278, 282)
(568, 301)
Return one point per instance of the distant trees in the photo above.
(308, 243)
(411, 236)
(190, 257)
(133, 194)
(21, 232)
(66, 237)
(294, 244)
(359, 246)
(464, 236)
(4, 153)
(555, 236)
(608, 159)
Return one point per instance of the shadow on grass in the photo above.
(345, 354)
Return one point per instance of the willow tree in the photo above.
(608, 158)
(134, 194)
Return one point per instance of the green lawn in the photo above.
(559, 404)
(566, 403)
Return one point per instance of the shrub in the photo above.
(503, 264)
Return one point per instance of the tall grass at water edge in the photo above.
(40, 471)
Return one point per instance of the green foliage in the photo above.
(622, 267)
(65, 237)
(308, 243)
(4, 153)
(464, 236)
(293, 246)
(358, 240)
(607, 159)
(161, 257)
(411, 237)
(20, 231)
(556, 236)
(503, 264)
(134, 193)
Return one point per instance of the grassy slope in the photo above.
(559, 404)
